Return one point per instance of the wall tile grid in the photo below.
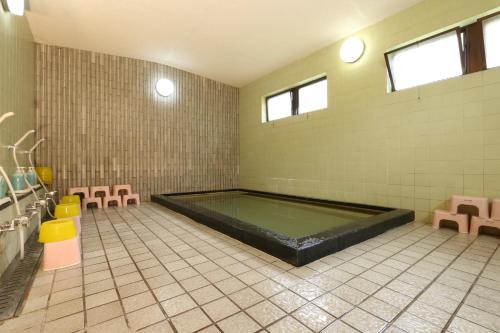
(106, 124)
(410, 149)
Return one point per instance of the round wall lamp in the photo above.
(16, 7)
(352, 49)
(164, 87)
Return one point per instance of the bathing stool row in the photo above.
(100, 195)
(488, 214)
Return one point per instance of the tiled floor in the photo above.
(152, 270)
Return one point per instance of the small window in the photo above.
(433, 59)
(308, 97)
(279, 106)
(491, 28)
(313, 97)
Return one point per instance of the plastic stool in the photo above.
(128, 197)
(68, 199)
(84, 191)
(96, 189)
(87, 201)
(480, 203)
(493, 221)
(71, 210)
(461, 219)
(118, 188)
(61, 244)
(114, 198)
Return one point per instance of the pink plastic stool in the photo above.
(87, 201)
(79, 190)
(118, 188)
(493, 221)
(114, 198)
(61, 254)
(461, 219)
(480, 203)
(134, 197)
(96, 189)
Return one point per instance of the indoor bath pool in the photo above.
(295, 229)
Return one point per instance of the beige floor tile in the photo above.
(191, 321)
(65, 295)
(288, 301)
(307, 290)
(101, 298)
(161, 280)
(36, 303)
(127, 278)
(333, 305)
(194, 283)
(104, 313)
(122, 270)
(206, 294)
(220, 309)
(145, 317)
(138, 301)
(217, 275)
(178, 304)
(364, 321)
(161, 327)
(380, 309)
(238, 323)
(168, 291)
(246, 298)
(98, 287)
(313, 317)
(230, 285)
(66, 324)
(409, 322)
(114, 325)
(265, 313)
(251, 277)
(64, 309)
(349, 294)
(339, 327)
(132, 289)
(268, 288)
(459, 325)
(288, 325)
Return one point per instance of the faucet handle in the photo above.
(7, 226)
(22, 220)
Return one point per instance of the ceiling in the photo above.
(232, 41)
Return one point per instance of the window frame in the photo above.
(480, 21)
(294, 95)
(457, 30)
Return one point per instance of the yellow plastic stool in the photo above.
(69, 210)
(61, 246)
(57, 231)
(45, 174)
(69, 199)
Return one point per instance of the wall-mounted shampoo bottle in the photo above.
(31, 176)
(18, 182)
(3, 187)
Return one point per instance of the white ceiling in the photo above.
(232, 41)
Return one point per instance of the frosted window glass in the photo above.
(429, 61)
(313, 97)
(279, 106)
(492, 41)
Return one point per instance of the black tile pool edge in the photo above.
(296, 251)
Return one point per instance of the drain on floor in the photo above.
(17, 279)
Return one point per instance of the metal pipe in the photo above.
(5, 116)
(14, 147)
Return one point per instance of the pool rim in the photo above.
(296, 251)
